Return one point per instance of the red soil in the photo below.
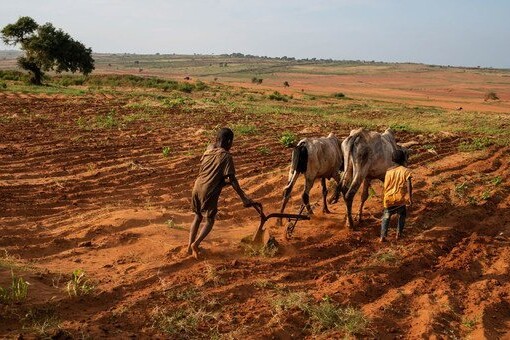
(100, 200)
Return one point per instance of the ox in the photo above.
(367, 156)
(315, 158)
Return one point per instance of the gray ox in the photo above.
(315, 158)
(367, 156)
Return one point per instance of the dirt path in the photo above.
(108, 202)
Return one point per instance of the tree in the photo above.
(47, 48)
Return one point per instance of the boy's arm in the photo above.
(410, 190)
(235, 184)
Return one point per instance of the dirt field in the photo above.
(78, 192)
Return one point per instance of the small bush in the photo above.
(286, 84)
(13, 75)
(491, 95)
(3, 85)
(288, 139)
(278, 96)
(185, 87)
(338, 95)
(200, 85)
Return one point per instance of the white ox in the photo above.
(367, 156)
(315, 158)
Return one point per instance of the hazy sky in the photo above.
(447, 32)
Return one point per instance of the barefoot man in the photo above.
(216, 171)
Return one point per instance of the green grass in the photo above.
(172, 225)
(264, 150)
(166, 151)
(79, 284)
(288, 139)
(476, 144)
(184, 322)
(244, 129)
(17, 291)
(42, 321)
(323, 316)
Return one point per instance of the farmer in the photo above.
(216, 171)
(398, 192)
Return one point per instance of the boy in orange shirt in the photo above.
(398, 192)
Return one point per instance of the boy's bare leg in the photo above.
(193, 231)
(203, 234)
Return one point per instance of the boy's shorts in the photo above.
(207, 208)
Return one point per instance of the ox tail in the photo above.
(300, 158)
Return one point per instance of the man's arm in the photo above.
(235, 184)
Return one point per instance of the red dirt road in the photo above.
(108, 202)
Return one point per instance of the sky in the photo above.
(442, 32)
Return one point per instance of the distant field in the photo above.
(451, 88)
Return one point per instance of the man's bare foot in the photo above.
(398, 236)
(189, 250)
(194, 251)
(382, 239)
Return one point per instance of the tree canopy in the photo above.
(47, 48)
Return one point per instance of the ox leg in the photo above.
(349, 198)
(364, 197)
(348, 216)
(324, 197)
(286, 196)
(306, 194)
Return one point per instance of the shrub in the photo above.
(200, 85)
(278, 96)
(185, 87)
(288, 139)
(3, 85)
(286, 84)
(12, 75)
(338, 95)
(491, 95)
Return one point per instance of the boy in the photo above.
(398, 192)
(216, 171)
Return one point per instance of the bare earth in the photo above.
(108, 202)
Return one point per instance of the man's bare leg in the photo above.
(203, 234)
(193, 231)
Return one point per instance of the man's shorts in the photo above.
(207, 208)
